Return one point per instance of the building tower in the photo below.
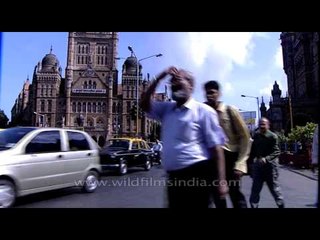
(91, 80)
(129, 95)
(45, 91)
(301, 65)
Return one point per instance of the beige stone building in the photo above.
(90, 96)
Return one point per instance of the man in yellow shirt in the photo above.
(236, 149)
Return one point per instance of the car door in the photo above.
(40, 165)
(145, 152)
(78, 157)
(135, 153)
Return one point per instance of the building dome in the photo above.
(49, 62)
(131, 65)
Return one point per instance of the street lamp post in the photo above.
(137, 85)
(290, 112)
(257, 103)
(43, 118)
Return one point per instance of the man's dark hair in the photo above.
(212, 84)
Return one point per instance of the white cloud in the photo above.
(278, 58)
(228, 88)
(266, 90)
(233, 46)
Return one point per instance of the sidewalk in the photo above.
(304, 172)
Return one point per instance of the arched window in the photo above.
(100, 123)
(84, 107)
(85, 85)
(94, 107)
(74, 107)
(101, 141)
(128, 123)
(89, 107)
(94, 85)
(104, 107)
(49, 105)
(42, 106)
(90, 84)
(99, 107)
(79, 107)
(114, 109)
(75, 122)
(79, 49)
(90, 122)
(128, 106)
(82, 49)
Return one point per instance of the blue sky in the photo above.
(243, 62)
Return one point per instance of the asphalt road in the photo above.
(145, 189)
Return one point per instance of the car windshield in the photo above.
(9, 137)
(118, 143)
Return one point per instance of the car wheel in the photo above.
(90, 182)
(7, 194)
(147, 165)
(123, 168)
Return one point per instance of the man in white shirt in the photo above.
(192, 142)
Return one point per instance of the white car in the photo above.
(34, 160)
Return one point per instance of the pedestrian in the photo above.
(157, 149)
(314, 156)
(236, 149)
(192, 140)
(157, 146)
(265, 157)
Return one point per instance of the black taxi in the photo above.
(122, 153)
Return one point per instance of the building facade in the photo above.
(301, 65)
(89, 97)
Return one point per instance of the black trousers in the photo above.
(237, 197)
(190, 187)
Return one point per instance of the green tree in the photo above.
(304, 134)
(3, 119)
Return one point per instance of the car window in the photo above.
(77, 141)
(9, 137)
(118, 143)
(45, 142)
(143, 145)
(135, 145)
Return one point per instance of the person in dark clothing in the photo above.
(264, 157)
